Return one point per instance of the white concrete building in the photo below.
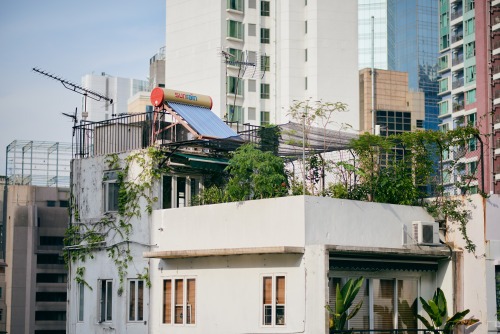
(115, 88)
(311, 50)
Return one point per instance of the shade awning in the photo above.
(204, 121)
(178, 254)
(207, 163)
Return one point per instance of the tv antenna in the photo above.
(247, 66)
(77, 89)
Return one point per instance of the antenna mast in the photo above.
(77, 89)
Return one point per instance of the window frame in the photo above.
(368, 279)
(265, 36)
(265, 91)
(265, 8)
(268, 117)
(107, 181)
(238, 5)
(265, 63)
(188, 192)
(81, 302)
(274, 303)
(137, 310)
(239, 30)
(172, 305)
(104, 303)
(235, 86)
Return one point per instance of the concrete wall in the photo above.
(477, 277)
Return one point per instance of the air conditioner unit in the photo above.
(425, 232)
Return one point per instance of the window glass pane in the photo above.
(264, 117)
(264, 36)
(361, 320)
(264, 8)
(267, 300)
(81, 304)
(179, 305)
(280, 300)
(383, 303)
(191, 301)
(181, 192)
(407, 303)
(167, 301)
(112, 196)
(109, 300)
(167, 192)
(131, 312)
(195, 189)
(140, 300)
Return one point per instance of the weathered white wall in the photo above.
(88, 180)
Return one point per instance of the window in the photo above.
(472, 144)
(251, 114)
(111, 188)
(252, 85)
(471, 96)
(468, 5)
(136, 300)
(470, 26)
(273, 300)
(470, 50)
(235, 113)
(443, 20)
(234, 86)
(444, 127)
(387, 303)
(51, 204)
(51, 241)
(265, 8)
(50, 315)
(235, 5)
(179, 301)
(0, 293)
(305, 83)
(51, 296)
(305, 54)
(252, 29)
(443, 108)
(264, 91)
(51, 278)
(264, 63)
(252, 4)
(81, 300)
(106, 301)
(471, 119)
(444, 42)
(420, 123)
(443, 85)
(264, 117)
(1, 314)
(471, 168)
(443, 62)
(470, 73)
(305, 27)
(235, 56)
(264, 35)
(234, 29)
(176, 190)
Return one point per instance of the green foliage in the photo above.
(343, 301)
(83, 240)
(436, 309)
(253, 174)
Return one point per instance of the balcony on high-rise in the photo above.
(496, 46)
(456, 37)
(457, 59)
(455, 14)
(495, 71)
(495, 22)
(496, 97)
(458, 105)
(457, 83)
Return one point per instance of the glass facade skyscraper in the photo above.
(383, 14)
(417, 50)
(406, 39)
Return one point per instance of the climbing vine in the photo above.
(84, 239)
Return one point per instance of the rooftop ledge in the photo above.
(179, 254)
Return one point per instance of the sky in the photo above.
(68, 39)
